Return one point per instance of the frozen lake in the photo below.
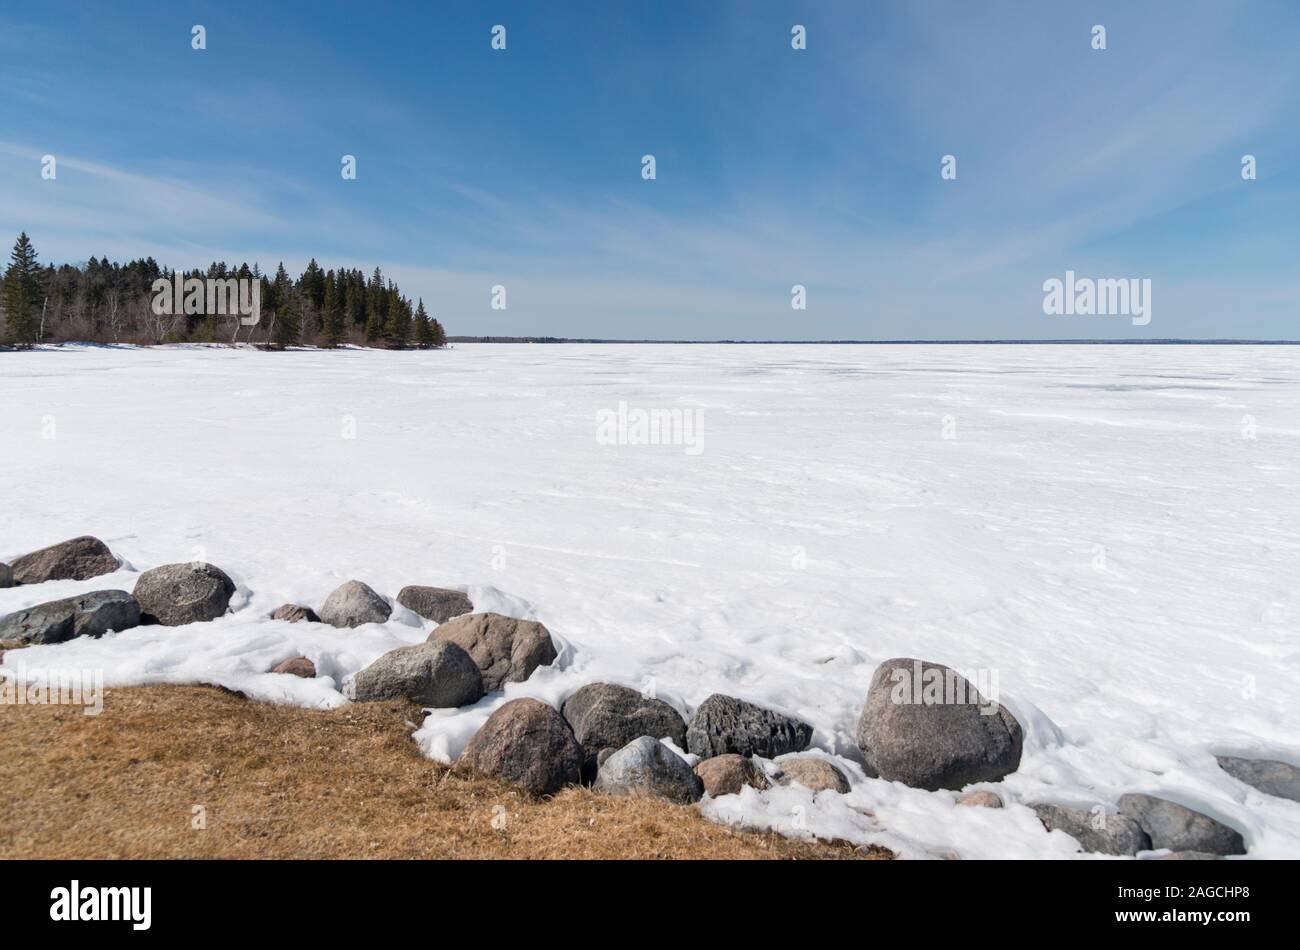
(1113, 531)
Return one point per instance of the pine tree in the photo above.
(439, 335)
(376, 310)
(397, 328)
(423, 328)
(334, 331)
(287, 328)
(312, 285)
(22, 292)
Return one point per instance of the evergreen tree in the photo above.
(423, 328)
(333, 329)
(287, 328)
(439, 335)
(22, 293)
(376, 307)
(397, 328)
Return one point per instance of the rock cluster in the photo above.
(605, 717)
(613, 737)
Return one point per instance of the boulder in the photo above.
(528, 743)
(608, 716)
(1268, 775)
(506, 650)
(725, 724)
(86, 615)
(77, 560)
(177, 594)
(980, 799)
(294, 613)
(932, 739)
(353, 604)
(435, 603)
(6, 576)
(1099, 833)
(1178, 828)
(297, 666)
(440, 675)
(812, 772)
(646, 767)
(728, 774)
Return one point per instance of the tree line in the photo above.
(106, 302)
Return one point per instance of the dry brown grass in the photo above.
(282, 782)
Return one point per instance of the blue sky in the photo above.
(775, 167)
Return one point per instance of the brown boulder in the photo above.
(812, 772)
(727, 774)
(527, 743)
(294, 613)
(506, 650)
(297, 666)
(980, 799)
(76, 560)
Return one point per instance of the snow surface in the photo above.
(1091, 523)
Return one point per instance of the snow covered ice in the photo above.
(1112, 530)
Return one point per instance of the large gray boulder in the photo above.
(435, 603)
(723, 724)
(76, 560)
(1268, 775)
(177, 594)
(1179, 828)
(527, 743)
(439, 675)
(907, 735)
(506, 650)
(646, 767)
(609, 716)
(1101, 833)
(6, 576)
(86, 615)
(728, 774)
(353, 604)
(812, 772)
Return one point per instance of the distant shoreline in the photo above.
(1169, 342)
